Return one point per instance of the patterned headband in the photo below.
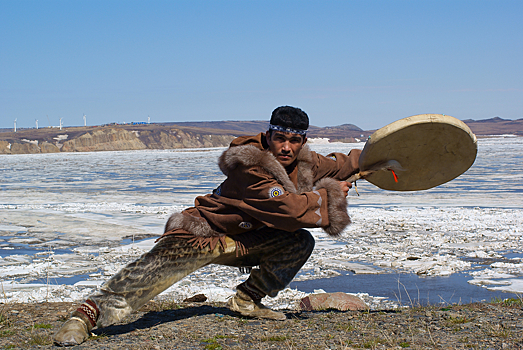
(287, 129)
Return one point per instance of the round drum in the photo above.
(431, 149)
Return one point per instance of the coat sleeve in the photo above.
(266, 200)
(338, 166)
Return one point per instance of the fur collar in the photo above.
(250, 155)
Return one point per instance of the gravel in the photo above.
(170, 325)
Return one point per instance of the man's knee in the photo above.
(306, 240)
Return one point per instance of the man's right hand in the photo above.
(345, 187)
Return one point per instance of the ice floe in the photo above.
(68, 222)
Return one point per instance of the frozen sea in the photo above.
(68, 221)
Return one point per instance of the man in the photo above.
(275, 187)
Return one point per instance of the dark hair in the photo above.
(290, 117)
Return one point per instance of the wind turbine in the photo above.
(60, 123)
(85, 122)
(15, 123)
(36, 124)
(148, 120)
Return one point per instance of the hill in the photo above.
(495, 126)
(148, 136)
(116, 137)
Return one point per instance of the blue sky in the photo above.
(367, 63)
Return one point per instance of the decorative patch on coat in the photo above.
(245, 225)
(332, 156)
(275, 192)
(218, 191)
(318, 211)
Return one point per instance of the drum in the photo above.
(418, 153)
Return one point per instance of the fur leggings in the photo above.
(279, 256)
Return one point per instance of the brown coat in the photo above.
(260, 192)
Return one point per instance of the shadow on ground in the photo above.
(154, 318)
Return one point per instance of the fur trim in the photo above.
(249, 155)
(305, 176)
(196, 226)
(337, 206)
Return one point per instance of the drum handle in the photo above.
(360, 175)
(392, 165)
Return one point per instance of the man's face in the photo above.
(285, 146)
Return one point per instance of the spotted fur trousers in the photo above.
(279, 255)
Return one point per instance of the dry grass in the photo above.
(212, 326)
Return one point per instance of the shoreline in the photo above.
(45, 147)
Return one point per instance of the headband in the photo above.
(287, 129)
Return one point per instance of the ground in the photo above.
(170, 325)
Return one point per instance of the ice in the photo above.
(354, 267)
(89, 283)
(510, 285)
(80, 217)
(318, 141)
(12, 228)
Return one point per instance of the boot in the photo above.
(76, 330)
(73, 332)
(243, 304)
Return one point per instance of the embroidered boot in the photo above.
(76, 330)
(248, 306)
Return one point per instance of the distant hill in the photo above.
(244, 127)
(484, 127)
(255, 126)
(188, 135)
(495, 126)
(345, 132)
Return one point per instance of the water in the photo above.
(406, 289)
(79, 206)
(61, 280)
(24, 249)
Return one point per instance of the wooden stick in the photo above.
(387, 165)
